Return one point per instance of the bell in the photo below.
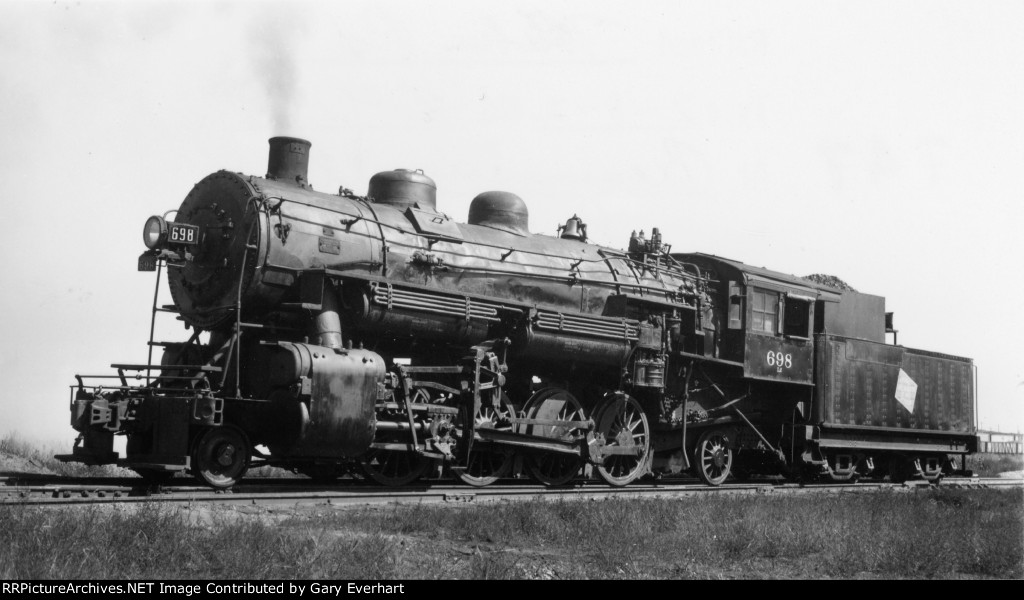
(574, 229)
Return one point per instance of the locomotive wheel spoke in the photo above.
(714, 458)
(553, 404)
(622, 422)
(221, 457)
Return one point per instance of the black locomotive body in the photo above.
(340, 331)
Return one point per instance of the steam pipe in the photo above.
(328, 323)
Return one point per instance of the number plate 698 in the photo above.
(182, 234)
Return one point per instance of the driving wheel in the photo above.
(553, 404)
(622, 424)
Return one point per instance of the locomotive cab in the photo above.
(813, 359)
(769, 318)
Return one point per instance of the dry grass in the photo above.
(41, 458)
(991, 465)
(928, 533)
(154, 542)
(919, 534)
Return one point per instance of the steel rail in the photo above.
(284, 491)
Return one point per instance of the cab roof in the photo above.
(735, 270)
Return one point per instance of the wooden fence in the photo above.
(995, 442)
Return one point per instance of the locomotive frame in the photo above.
(375, 332)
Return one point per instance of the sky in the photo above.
(879, 142)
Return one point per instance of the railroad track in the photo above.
(40, 490)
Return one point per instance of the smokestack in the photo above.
(289, 160)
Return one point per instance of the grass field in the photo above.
(991, 465)
(39, 457)
(931, 533)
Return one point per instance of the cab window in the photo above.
(797, 317)
(764, 311)
(736, 298)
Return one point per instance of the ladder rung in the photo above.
(172, 309)
(166, 344)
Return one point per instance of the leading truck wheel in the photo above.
(221, 457)
(713, 458)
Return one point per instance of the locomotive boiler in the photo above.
(332, 332)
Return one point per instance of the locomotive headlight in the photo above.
(154, 234)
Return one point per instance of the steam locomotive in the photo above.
(333, 332)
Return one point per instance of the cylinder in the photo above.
(289, 160)
(342, 393)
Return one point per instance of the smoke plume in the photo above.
(273, 43)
